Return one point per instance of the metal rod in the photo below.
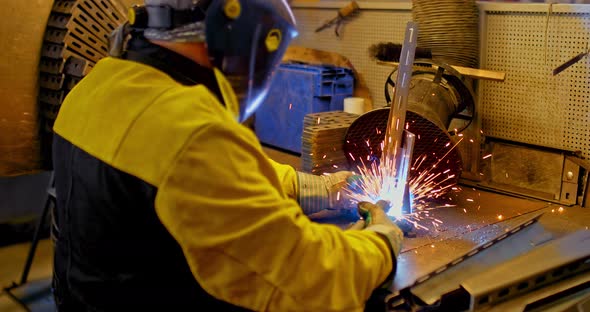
(397, 113)
(408, 150)
(395, 159)
(36, 238)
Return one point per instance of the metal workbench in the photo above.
(475, 218)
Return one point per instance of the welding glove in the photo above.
(376, 220)
(319, 192)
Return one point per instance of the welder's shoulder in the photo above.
(134, 118)
(164, 128)
(102, 106)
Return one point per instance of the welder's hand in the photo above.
(376, 219)
(358, 225)
(319, 192)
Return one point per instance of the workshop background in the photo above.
(523, 147)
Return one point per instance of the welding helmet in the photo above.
(245, 39)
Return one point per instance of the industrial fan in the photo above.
(76, 37)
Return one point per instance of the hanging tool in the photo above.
(344, 12)
(571, 62)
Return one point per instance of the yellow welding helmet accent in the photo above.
(232, 9)
(273, 39)
(131, 16)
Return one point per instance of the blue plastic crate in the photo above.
(298, 90)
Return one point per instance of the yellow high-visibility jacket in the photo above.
(231, 210)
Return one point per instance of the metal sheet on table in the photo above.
(566, 295)
(563, 257)
(474, 211)
(450, 280)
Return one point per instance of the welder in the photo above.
(167, 202)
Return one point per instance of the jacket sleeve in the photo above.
(249, 244)
(288, 177)
(308, 190)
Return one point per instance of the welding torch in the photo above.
(407, 227)
(354, 184)
(344, 12)
(385, 205)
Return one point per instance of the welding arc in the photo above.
(569, 63)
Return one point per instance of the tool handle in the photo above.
(328, 24)
(569, 63)
(348, 9)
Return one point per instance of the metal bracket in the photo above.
(404, 295)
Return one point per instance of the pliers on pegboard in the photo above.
(344, 12)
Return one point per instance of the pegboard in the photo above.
(376, 22)
(369, 26)
(533, 106)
